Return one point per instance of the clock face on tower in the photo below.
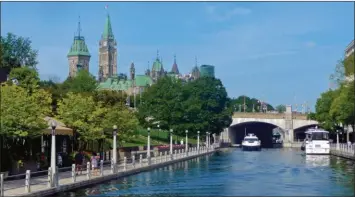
(104, 43)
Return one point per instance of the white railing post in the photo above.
(2, 185)
(140, 160)
(175, 154)
(49, 179)
(124, 163)
(160, 157)
(102, 167)
(56, 176)
(112, 167)
(88, 171)
(133, 161)
(171, 156)
(28, 181)
(166, 156)
(73, 173)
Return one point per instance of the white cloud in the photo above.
(218, 15)
(310, 44)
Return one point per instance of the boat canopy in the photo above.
(310, 131)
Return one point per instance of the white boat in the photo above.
(317, 143)
(251, 142)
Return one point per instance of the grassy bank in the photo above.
(157, 138)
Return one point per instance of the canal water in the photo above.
(272, 172)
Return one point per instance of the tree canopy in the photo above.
(201, 105)
(83, 82)
(335, 108)
(280, 108)
(22, 113)
(323, 106)
(16, 51)
(250, 104)
(27, 77)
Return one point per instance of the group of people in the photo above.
(80, 161)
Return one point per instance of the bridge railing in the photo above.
(55, 178)
(268, 115)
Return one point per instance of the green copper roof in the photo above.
(108, 29)
(143, 80)
(115, 84)
(79, 47)
(157, 65)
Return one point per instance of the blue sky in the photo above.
(281, 52)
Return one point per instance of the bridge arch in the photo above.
(263, 129)
(299, 133)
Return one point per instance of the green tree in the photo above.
(339, 73)
(206, 106)
(124, 119)
(110, 97)
(311, 116)
(280, 108)
(349, 65)
(27, 77)
(16, 51)
(22, 114)
(162, 103)
(83, 115)
(342, 108)
(83, 82)
(238, 104)
(323, 106)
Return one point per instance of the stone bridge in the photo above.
(288, 122)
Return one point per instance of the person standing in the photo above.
(94, 164)
(60, 160)
(78, 162)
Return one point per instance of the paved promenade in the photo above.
(40, 186)
(343, 150)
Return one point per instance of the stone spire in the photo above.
(175, 68)
(78, 56)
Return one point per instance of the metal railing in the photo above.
(343, 148)
(67, 175)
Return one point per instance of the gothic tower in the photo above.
(175, 68)
(195, 71)
(78, 56)
(132, 71)
(107, 53)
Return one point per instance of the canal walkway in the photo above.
(343, 150)
(41, 186)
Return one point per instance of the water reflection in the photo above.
(317, 160)
(236, 173)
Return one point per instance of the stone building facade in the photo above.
(107, 53)
(78, 56)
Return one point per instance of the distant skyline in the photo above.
(279, 52)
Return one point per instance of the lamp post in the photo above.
(158, 130)
(206, 139)
(338, 139)
(171, 141)
(198, 141)
(53, 155)
(186, 147)
(114, 151)
(148, 144)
